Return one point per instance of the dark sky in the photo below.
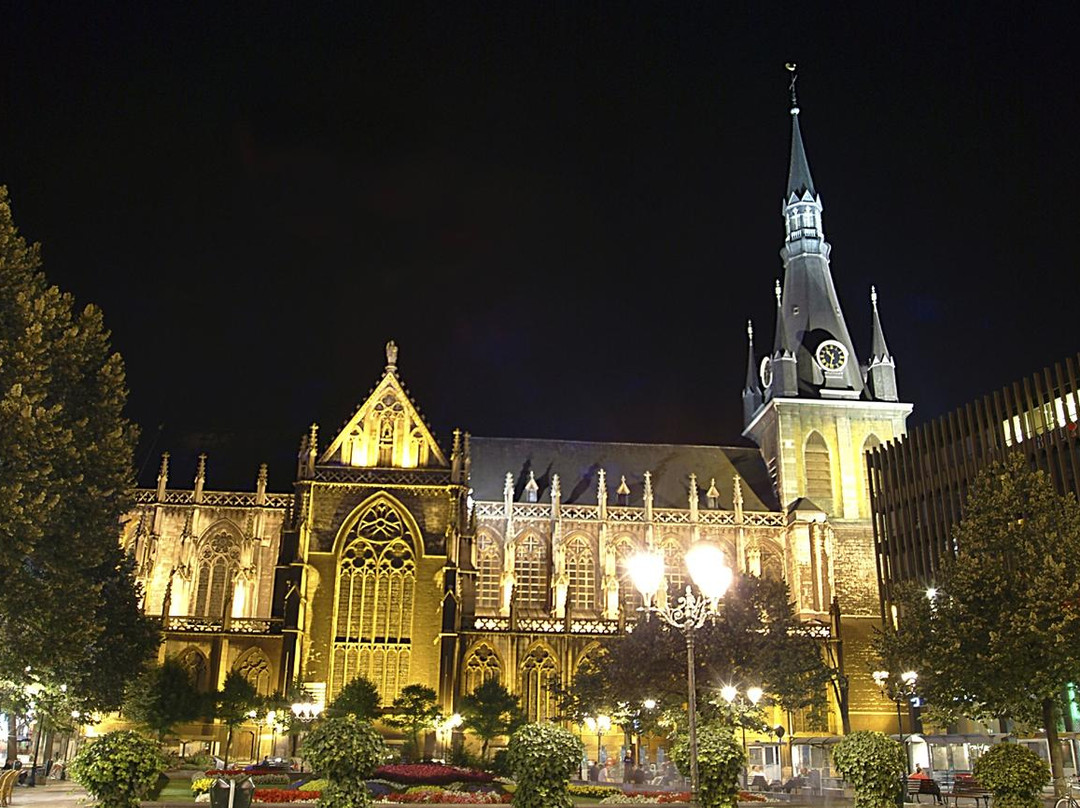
(563, 213)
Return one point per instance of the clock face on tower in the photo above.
(766, 371)
(831, 355)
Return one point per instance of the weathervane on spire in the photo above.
(791, 66)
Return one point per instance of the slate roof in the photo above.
(799, 179)
(578, 462)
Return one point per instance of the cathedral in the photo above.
(406, 561)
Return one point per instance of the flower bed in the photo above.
(431, 774)
(284, 795)
(444, 797)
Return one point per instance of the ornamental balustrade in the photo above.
(196, 624)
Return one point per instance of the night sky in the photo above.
(563, 213)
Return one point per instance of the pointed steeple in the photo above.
(751, 394)
(799, 181)
(784, 368)
(881, 375)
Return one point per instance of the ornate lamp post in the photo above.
(444, 727)
(600, 725)
(753, 695)
(900, 692)
(713, 577)
(306, 712)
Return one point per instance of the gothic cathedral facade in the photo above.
(407, 562)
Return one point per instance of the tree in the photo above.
(360, 697)
(65, 480)
(754, 640)
(414, 711)
(491, 711)
(162, 697)
(233, 702)
(1001, 636)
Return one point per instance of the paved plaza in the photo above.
(53, 793)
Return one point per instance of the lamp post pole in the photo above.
(753, 694)
(904, 690)
(712, 575)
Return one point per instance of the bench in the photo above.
(922, 785)
(7, 785)
(967, 789)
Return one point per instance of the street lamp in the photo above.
(713, 577)
(444, 727)
(753, 695)
(306, 712)
(902, 691)
(599, 725)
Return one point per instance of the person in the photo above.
(602, 775)
(928, 785)
(594, 772)
(627, 766)
(796, 781)
(637, 776)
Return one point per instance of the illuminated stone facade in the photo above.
(505, 558)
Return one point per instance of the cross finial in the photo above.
(777, 291)
(792, 68)
(750, 329)
(873, 296)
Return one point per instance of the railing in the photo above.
(217, 499)
(541, 625)
(234, 625)
(620, 513)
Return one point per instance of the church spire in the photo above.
(799, 180)
(751, 394)
(881, 375)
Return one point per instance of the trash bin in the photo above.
(232, 794)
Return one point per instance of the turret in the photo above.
(783, 367)
(881, 375)
(751, 394)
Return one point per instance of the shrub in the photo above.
(597, 792)
(720, 763)
(345, 751)
(201, 785)
(542, 757)
(431, 774)
(118, 768)
(1013, 774)
(874, 766)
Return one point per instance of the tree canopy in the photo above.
(233, 702)
(69, 605)
(415, 710)
(491, 711)
(360, 697)
(1000, 638)
(754, 640)
(162, 697)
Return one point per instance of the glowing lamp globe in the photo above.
(709, 570)
(647, 573)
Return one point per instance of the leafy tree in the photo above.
(755, 639)
(118, 768)
(360, 697)
(346, 751)
(162, 697)
(542, 758)
(65, 480)
(414, 711)
(1001, 637)
(233, 702)
(491, 711)
(720, 760)
(874, 766)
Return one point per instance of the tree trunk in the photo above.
(12, 738)
(1057, 764)
(228, 747)
(484, 750)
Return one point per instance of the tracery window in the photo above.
(194, 662)
(629, 597)
(530, 572)
(254, 666)
(539, 671)
(581, 572)
(481, 666)
(772, 562)
(488, 571)
(674, 568)
(217, 559)
(375, 594)
(818, 472)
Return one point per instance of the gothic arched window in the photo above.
(194, 662)
(488, 571)
(539, 670)
(217, 560)
(581, 572)
(629, 597)
(481, 665)
(674, 568)
(530, 572)
(254, 666)
(819, 488)
(376, 588)
(871, 443)
(772, 562)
